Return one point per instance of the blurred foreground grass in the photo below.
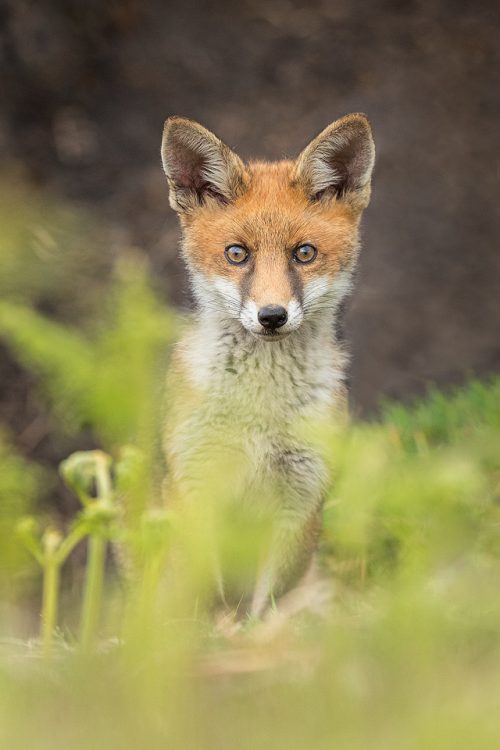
(408, 654)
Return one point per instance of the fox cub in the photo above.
(270, 250)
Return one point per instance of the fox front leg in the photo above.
(290, 559)
(299, 480)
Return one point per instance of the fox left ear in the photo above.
(198, 165)
(339, 161)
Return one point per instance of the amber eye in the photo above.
(236, 254)
(305, 254)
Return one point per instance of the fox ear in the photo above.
(339, 161)
(198, 165)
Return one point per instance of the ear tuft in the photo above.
(198, 165)
(339, 161)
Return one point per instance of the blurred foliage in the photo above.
(20, 482)
(99, 378)
(430, 468)
(444, 418)
(403, 652)
(93, 337)
(408, 655)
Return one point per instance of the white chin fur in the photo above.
(325, 292)
(216, 295)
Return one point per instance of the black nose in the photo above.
(272, 317)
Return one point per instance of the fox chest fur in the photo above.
(256, 396)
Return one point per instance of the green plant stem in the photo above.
(68, 544)
(94, 576)
(51, 574)
(103, 479)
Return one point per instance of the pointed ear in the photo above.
(198, 165)
(339, 161)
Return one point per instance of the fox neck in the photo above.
(305, 369)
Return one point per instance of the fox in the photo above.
(270, 250)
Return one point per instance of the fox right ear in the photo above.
(198, 166)
(339, 161)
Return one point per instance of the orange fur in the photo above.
(271, 218)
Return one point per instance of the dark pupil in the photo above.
(305, 252)
(236, 252)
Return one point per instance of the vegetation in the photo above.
(397, 646)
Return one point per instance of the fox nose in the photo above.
(272, 317)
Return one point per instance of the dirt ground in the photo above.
(86, 87)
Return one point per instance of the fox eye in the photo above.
(305, 254)
(236, 254)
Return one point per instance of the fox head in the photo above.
(270, 245)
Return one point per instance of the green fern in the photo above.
(106, 377)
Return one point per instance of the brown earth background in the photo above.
(86, 86)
